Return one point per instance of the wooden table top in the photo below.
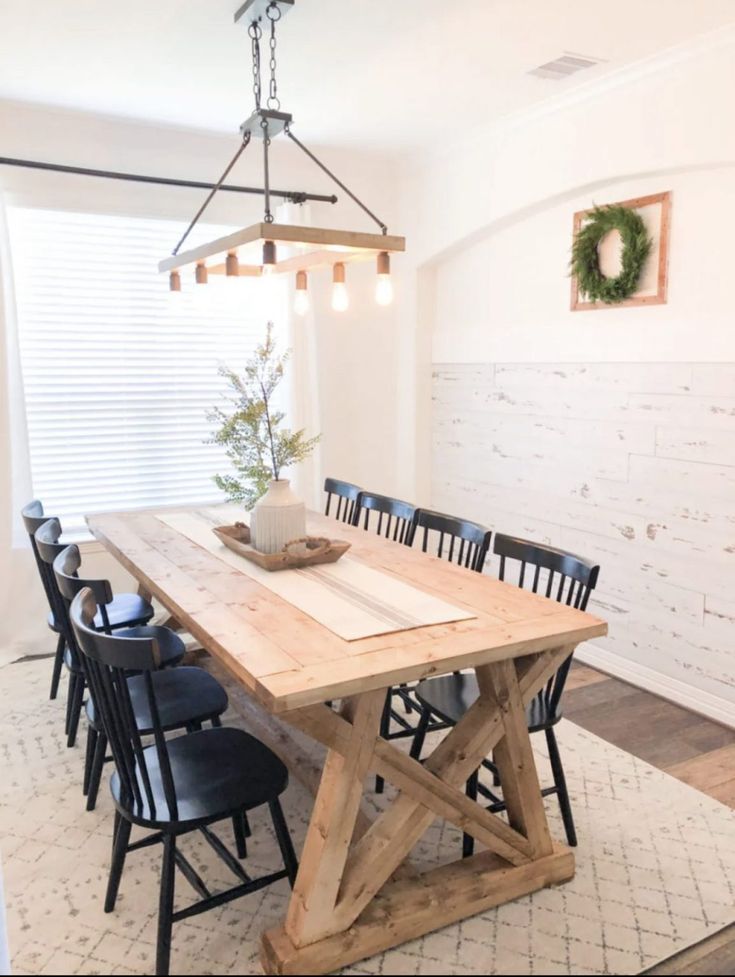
(289, 660)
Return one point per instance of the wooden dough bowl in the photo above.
(305, 552)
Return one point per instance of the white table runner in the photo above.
(351, 599)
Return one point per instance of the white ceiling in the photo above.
(387, 75)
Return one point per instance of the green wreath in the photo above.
(586, 257)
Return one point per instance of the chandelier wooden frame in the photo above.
(325, 246)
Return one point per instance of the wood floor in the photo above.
(685, 745)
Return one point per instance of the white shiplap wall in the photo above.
(632, 464)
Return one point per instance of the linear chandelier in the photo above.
(267, 247)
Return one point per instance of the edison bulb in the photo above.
(384, 290)
(340, 297)
(301, 301)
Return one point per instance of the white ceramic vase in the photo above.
(277, 517)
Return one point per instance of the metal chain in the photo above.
(274, 15)
(256, 33)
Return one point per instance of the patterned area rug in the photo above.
(655, 870)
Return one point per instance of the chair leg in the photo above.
(77, 702)
(560, 781)
(89, 758)
(166, 906)
(58, 663)
(283, 835)
(70, 692)
(420, 735)
(468, 842)
(120, 836)
(238, 827)
(95, 774)
(384, 730)
(407, 705)
(496, 775)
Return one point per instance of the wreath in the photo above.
(586, 257)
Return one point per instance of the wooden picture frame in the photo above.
(659, 219)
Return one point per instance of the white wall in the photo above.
(356, 371)
(519, 308)
(610, 432)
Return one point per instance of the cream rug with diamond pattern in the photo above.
(655, 870)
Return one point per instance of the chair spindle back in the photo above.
(394, 517)
(33, 518)
(347, 494)
(459, 540)
(48, 549)
(569, 580)
(108, 661)
(66, 572)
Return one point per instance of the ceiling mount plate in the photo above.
(256, 10)
(277, 122)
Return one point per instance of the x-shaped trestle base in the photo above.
(353, 896)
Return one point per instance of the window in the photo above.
(118, 372)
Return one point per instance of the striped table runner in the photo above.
(351, 599)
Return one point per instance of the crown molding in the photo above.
(689, 50)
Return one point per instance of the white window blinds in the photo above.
(118, 373)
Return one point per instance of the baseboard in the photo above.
(705, 703)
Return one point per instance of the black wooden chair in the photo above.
(559, 576)
(393, 518)
(175, 786)
(116, 610)
(122, 611)
(33, 518)
(187, 696)
(456, 540)
(346, 494)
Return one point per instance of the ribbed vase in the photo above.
(277, 517)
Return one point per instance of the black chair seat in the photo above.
(53, 623)
(172, 649)
(125, 609)
(216, 772)
(450, 696)
(71, 663)
(185, 696)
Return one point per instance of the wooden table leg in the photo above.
(144, 592)
(311, 913)
(279, 737)
(347, 903)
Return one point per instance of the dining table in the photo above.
(315, 652)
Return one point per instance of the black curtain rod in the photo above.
(295, 196)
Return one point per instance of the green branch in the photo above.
(250, 431)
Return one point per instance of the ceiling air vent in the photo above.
(563, 67)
